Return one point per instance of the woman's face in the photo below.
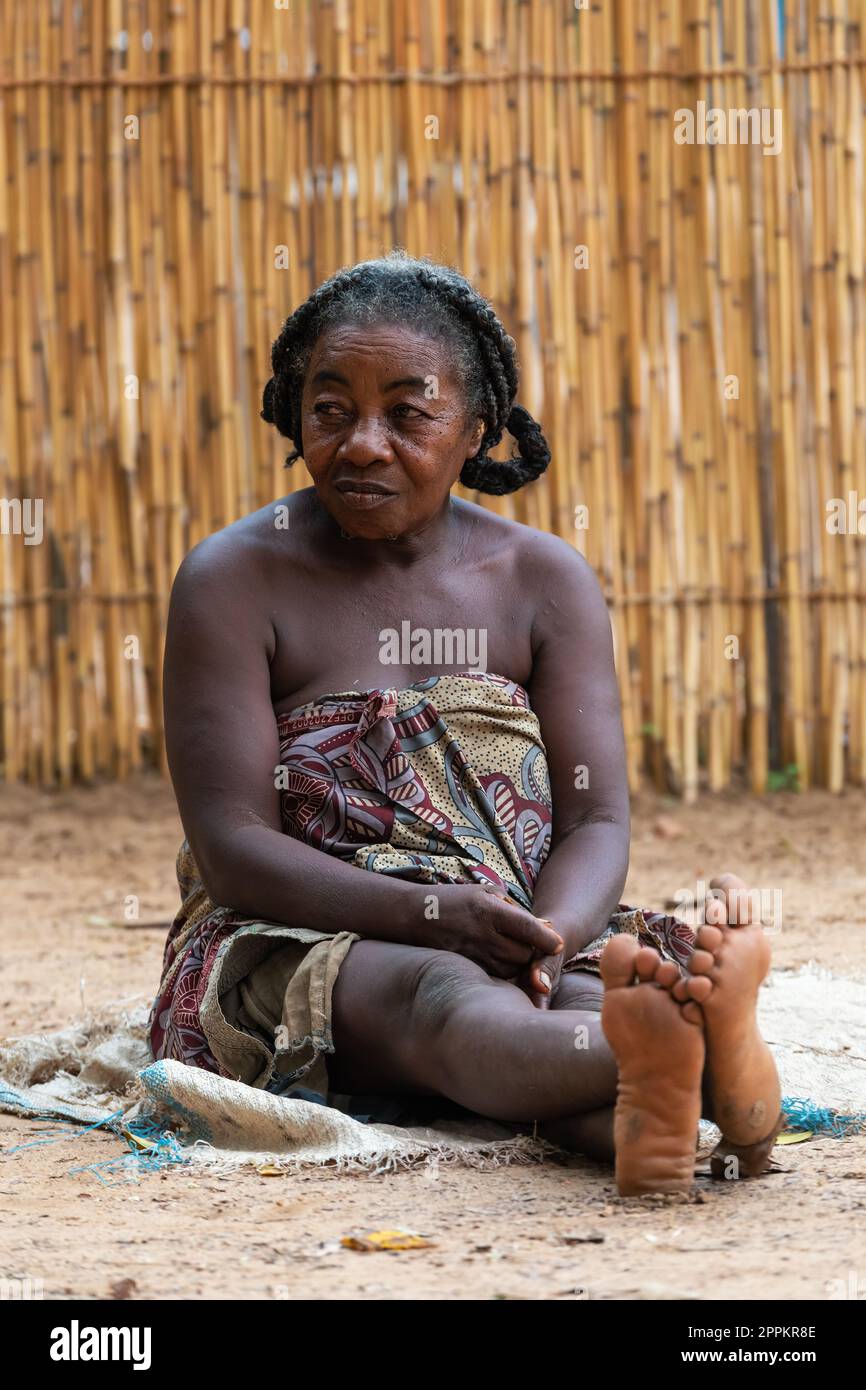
(384, 428)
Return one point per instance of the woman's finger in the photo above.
(507, 957)
(543, 977)
(540, 979)
(535, 932)
(544, 973)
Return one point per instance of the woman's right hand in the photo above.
(485, 925)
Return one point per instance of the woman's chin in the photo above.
(368, 516)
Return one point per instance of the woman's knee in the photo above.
(400, 993)
(579, 990)
(442, 983)
(388, 1005)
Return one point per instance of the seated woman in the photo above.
(394, 732)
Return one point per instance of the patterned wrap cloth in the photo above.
(445, 781)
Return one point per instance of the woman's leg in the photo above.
(592, 1132)
(408, 1021)
(419, 1022)
(415, 1021)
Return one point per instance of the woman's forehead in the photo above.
(389, 351)
(376, 337)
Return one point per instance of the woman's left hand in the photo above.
(540, 972)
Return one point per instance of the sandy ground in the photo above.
(71, 861)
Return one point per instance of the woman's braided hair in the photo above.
(439, 302)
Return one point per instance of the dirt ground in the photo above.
(70, 863)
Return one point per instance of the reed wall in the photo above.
(176, 176)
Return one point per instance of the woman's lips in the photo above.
(362, 500)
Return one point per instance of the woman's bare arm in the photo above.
(575, 695)
(223, 751)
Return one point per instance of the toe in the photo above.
(709, 938)
(737, 899)
(667, 974)
(716, 910)
(699, 988)
(680, 991)
(617, 961)
(701, 962)
(646, 963)
(692, 1012)
(727, 881)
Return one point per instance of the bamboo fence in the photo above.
(699, 368)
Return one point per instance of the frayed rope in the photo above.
(152, 1147)
(819, 1119)
(151, 1150)
(70, 1131)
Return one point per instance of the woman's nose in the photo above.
(367, 441)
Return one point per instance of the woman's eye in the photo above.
(331, 409)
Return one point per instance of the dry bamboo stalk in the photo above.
(731, 441)
(363, 132)
(463, 127)
(278, 165)
(223, 358)
(146, 482)
(763, 518)
(343, 97)
(596, 44)
(720, 526)
(819, 441)
(294, 226)
(676, 538)
(671, 638)
(638, 323)
(782, 363)
(492, 228)
(9, 451)
(856, 629)
(417, 233)
(326, 234)
(72, 315)
(744, 450)
(521, 238)
(644, 558)
(204, 494)
(843, 401)
(15, 581)
(246, 262)
(387, 129)
(554, 514)
(588, 483)
(568, 117)
(34, 561)
(9, 442)
(265, 318)
(715, 666)
(56, 687)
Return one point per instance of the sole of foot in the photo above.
(659, 1048)
(732, 952)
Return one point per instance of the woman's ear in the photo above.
(477, 436)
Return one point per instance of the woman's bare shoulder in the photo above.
(248, 545)
(540, 558)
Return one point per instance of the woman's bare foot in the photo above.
(733, 953)
(659, 1050)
